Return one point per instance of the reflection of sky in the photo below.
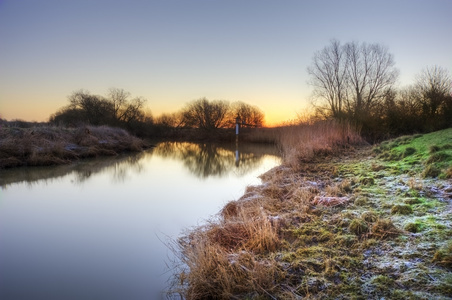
(99, 237)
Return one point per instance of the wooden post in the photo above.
(237, 155)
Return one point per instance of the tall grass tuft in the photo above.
(221, 257)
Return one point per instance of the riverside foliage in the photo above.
(341, 221)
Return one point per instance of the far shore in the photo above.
(41, 144)
(46, 145)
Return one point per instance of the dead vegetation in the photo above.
(40, 146)
(324, 227)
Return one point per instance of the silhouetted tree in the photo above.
(96, 110)
(249, 114)
(115, 110)
(205, 114)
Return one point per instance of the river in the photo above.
(98, 229)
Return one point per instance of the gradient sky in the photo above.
(171, 52)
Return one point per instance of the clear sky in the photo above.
(173, 51)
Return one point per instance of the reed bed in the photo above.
(305, 142)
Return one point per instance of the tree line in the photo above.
(356, 82)
(353, 82)
(119, 109)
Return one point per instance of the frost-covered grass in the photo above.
(354, 225)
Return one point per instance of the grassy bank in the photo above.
(338, 220)
(45, 145)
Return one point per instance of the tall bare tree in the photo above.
(352, 79)
(328, 77)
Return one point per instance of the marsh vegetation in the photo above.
(343, 220)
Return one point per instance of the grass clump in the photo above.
(369, 216)
(358, 226)
(443, 256)
(384, 228)
(409, 151)
(414, 227)
(431, 171)
(438, 157)
(434, 149)
(401, 209)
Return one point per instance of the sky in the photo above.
(172, 51)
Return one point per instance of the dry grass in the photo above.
(54, 145)
(310, 141)
(321, 226)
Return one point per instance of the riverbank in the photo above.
(47, 145)
(338, 220)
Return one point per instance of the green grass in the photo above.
(430, 154)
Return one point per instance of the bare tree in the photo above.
(352, 79)
(328, 77)
(205, 114)
(370, 74)
(119, 99)
(249, 114)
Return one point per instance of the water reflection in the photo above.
(93, 229)
(202, 160)
(118, 166)
(206, 160)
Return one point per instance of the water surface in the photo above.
(97, 229)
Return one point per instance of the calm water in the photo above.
(97, 229)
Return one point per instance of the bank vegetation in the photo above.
(42, 145)
(339, 219)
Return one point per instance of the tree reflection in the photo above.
(202, 160)
(205, 160)
(119, 166)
